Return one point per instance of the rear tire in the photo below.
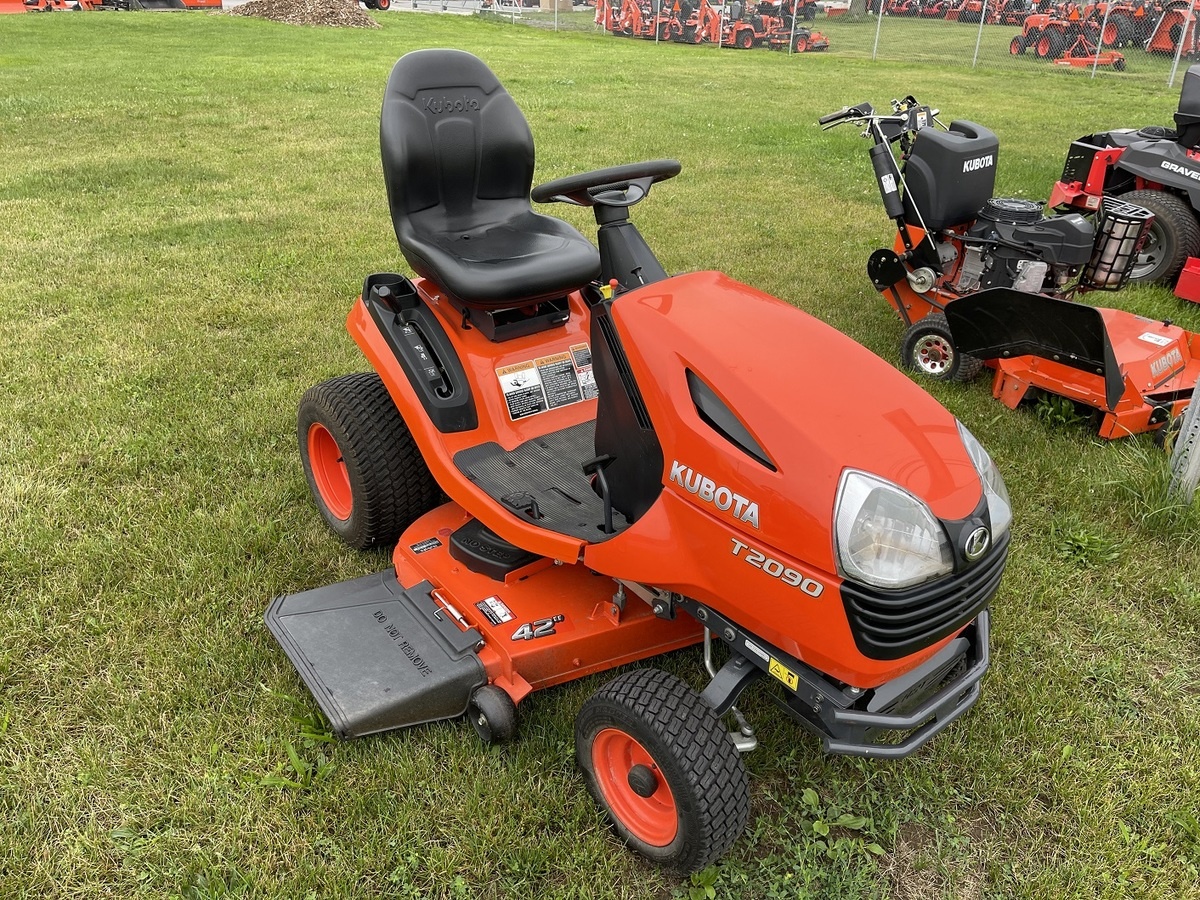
(801, 45)
(1174, 236)
(928, 348)
(362, 465)
(661, 765)
(745, 39)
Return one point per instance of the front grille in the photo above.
(892, 624)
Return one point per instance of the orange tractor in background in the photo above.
(1176, 25)
(699, 23)
(771, 24)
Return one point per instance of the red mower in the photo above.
(1154, 167)
(587, 462)
(977, 278)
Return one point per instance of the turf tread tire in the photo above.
(1174, 220)
(1185, 456)
(692, 749)
(391, 486)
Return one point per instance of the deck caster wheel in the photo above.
(661, 765)
(492, 714)
(928, 348)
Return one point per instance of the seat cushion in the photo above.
(520, 258)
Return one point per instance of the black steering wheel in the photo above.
(618, 186)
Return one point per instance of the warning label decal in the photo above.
(495, 610)
(548, 382)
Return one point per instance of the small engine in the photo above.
(1013, 245)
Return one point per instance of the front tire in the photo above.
(661, 765)
(928, 348)
(362, 465)
(1174, 236)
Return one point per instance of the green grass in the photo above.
(188, 205)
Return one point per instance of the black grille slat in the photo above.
(892, 624)
(879, 611)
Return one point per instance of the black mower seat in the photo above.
(1187, 117)
(458, 165)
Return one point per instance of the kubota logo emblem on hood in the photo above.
(718, 495)
(977, 543)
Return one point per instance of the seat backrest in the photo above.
(950, 175)
(1187, 118)
(453, 141)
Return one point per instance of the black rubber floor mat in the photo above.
(544, 477)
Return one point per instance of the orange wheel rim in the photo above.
(616, 757)
(329, 472)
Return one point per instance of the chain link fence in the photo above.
(1150, 41)
(1110, 39)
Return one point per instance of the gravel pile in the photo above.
(334, 13)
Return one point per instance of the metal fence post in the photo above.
(979, 34)
(1187, 26)
(878, 25)
(1100, 42)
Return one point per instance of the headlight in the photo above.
(885, 536)
(999, 506)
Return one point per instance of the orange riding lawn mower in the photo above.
(584, 462)
(981, 280)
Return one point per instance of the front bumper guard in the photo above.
(852, 730)
(889, 722)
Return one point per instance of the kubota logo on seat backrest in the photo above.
(979, 162)
(718, 495)
(451, 104)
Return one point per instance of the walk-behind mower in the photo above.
(630, 469)
(1156, 168)
(1019, 269)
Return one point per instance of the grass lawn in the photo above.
(188, 205)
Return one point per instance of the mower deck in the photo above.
(1137, 372)
(393, 649)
